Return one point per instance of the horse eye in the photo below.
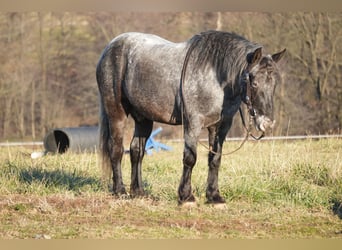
(251, 77)
(254, 84)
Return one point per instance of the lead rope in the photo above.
(184, 110)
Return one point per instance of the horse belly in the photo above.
(154, 96)
(152, 83)
(155, 107)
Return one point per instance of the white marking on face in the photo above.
(263, 123)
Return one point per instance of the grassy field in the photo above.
(273, 190)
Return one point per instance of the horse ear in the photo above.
(276, 57)
(254, 57)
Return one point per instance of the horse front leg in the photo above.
(216, 140)
(189, 159)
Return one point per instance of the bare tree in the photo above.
(48, 61)
(320, 35)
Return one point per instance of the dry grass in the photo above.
(273, 190)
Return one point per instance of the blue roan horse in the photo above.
(199, 83)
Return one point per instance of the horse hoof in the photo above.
(138, 194)
(188, 204)
(121, 196)
(220, 206)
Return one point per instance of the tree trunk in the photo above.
(33, 116)
(219, 21)
(43, 81)
(21, 82)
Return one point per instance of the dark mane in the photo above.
(224, 51)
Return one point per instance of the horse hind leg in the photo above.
(112, 132)
(142, 132)
(112, 124)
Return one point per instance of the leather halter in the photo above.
(246, 95)
(248, 98)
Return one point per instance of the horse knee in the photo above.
(136, 149)
(134, 146)
(214, 162)
(189, 158)
(115, 148)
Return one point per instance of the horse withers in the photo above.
(199, 83)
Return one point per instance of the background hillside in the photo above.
(48, 60)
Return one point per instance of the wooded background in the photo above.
(48, 61)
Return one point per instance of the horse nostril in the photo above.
(264, 123)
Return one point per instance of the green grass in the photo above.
(273, 190)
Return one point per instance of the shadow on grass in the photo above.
(60, 179)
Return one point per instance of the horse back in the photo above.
(146, 71)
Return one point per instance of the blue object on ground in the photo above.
(153, 144)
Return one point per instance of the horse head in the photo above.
(260, 80)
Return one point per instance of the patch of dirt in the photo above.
(63, 216)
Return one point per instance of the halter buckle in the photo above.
(252, 112)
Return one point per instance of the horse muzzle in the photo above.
(263, 123)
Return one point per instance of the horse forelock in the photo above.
(225, 52)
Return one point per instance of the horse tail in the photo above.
(103, 143)
(104, 130)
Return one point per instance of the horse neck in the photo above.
(233, 87)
